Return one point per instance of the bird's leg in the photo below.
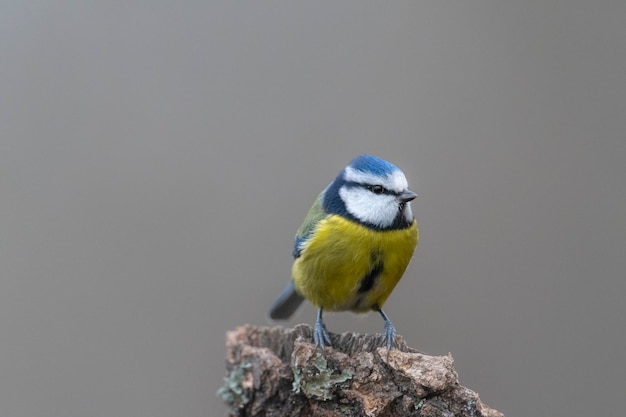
(389, 331)
(320, 334)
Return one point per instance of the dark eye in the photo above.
(376, 189)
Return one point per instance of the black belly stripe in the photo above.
(368, 281)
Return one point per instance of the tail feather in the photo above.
(286, 304)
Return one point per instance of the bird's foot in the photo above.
(389, 332)
(389, 335)
(321, 337)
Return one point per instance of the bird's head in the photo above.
(373, 192)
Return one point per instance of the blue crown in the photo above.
(373, 164)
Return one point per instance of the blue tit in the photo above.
(354, 245)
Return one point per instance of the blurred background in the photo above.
(156, 159)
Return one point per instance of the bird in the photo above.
(353, 246)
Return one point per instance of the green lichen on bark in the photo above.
(232, 392)
(318, 382)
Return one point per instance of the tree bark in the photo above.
(274, 371)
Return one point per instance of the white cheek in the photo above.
(379, 210)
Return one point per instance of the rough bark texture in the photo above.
(274, 371)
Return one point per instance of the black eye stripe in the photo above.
(352, 184)
(378, 189)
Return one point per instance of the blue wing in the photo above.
(289, 300)
(314, 216)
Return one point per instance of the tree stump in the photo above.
(274, 371)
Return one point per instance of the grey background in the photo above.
(157, 158)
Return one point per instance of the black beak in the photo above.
(406, 196)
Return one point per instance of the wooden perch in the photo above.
(274, 371)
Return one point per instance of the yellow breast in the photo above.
(347, 266)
